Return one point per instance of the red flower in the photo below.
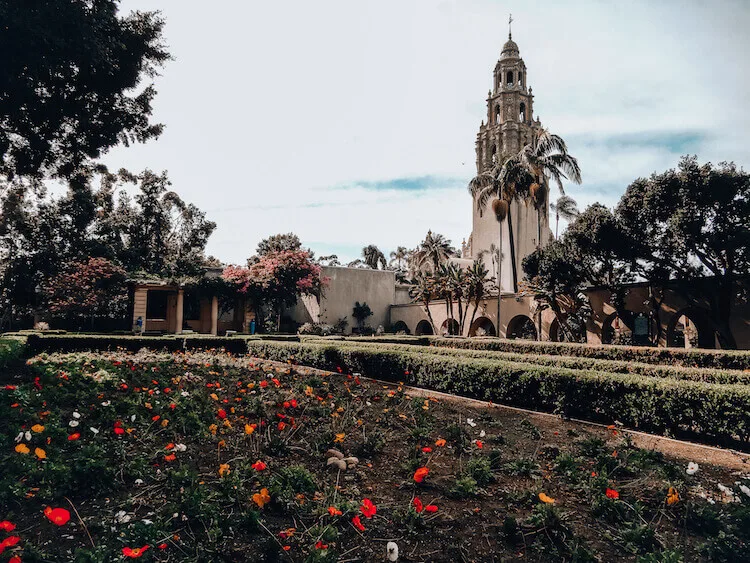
(333, 511)
(119, 430)
(222, 414)
(282, 425)
(418, 506)
(276, 382)
(479, 443)
(420, 474)
(6, 526)
(10, 541)
(162, 546)
(73, 437)
(293, 402)
(431, 508)
(611, 493)
(134, 553)
(427, 450)
(58, 516)
(321, 545)
(358, 524)
(259, 466)
(170, 457)
(14, 559)
(367, 508)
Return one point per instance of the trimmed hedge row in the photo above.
(718, 359)
(708, 375)
(713, 412)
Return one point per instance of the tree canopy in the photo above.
(72, 83)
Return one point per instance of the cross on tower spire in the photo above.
(510, 21)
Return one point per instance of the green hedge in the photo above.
(708, 375)
(12, 350)
(713, 412)
(719, 359)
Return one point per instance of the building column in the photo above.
(214, 315)
(140, 301)
(179, 312)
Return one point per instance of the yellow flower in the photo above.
(40, 453)
(214, 396)
(546, 499)
(249, 429)
(262, 498)
(673, 497)
(37, 428)
(213, 428)
(164, 423)
(339, 438)
(309, 391)
(22, 449)
(224, 469)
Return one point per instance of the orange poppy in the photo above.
(546, 498)
(440, 442)
(224, 469)
(673, 497)
(611, 493)
(259, 466)
(73, 437)
(262, 498)
(420, 474)
(333, 511)
(418, 506)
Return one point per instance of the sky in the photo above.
(352, 122)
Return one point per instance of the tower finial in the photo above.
(510, 21)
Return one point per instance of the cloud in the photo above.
(410, 184)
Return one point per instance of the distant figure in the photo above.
(252, 326)
(139, 325)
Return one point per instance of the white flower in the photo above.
(94, 430)
(482, 434)
(76, 414)
(106, 403)
(391, 551)
(122, 517)
(139, 482)
(180, 447)
(27, 435)
(147, 522)
(132, 418)
(184, 394)
(19, 437)
(745, 489)
(470, 422)
(692, 468)
(73, 423)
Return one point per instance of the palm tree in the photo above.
(545, 157)
(564, 207)
(433, 251)
(477, 282)
(495, 257)
(399, 255)
(373, 257)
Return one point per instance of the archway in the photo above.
(401, 326)
(691, 328)
(482, 327)
(521, 327)
(522, 113)
(554, 331)
(424, 328)
(449, 328)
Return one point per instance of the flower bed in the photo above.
(706, 411)
(206, 457)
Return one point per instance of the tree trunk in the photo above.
(499, 277)
(512, 251)
(557, 223)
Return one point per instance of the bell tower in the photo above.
(509, 126)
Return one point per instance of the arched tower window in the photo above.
(509, 78)
(493, 152)
(497, 113)
(520, 79)
(522, 113)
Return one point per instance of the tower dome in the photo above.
(510, 49)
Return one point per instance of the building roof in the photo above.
(510, 49)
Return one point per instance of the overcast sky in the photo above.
(353, 122)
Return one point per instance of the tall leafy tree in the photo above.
(399, 256)
(279, 243)
(73, 83)
(692, 222)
